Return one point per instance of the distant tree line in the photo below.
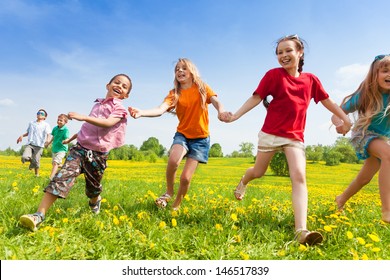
(151, 150)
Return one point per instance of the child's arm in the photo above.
(67, 141)
(251, 103)
(20, 138)
(336, 110)
(218, 106)
(155, 112)
(109, 122)
(49, 140)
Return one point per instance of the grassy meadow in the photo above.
(210, 225)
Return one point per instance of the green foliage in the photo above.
(332, 157)
(211, 224)
(215, 150)
(279, 165)
(152, 144)
(314, 153)
(246, 150)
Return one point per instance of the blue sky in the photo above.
(59, 55)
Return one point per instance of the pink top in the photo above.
(291, 96)
(103, 139)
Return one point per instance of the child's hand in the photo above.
(225, 117)
(46, 144)
(19, 139)
(134, 112)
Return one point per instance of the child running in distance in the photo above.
(60, 135)
(189, 100)
(103, 129)
(371, 132)
(284, 125)
(38, 133)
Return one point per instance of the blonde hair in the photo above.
(195, 79)
(370, 100)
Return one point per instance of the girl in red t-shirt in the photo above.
(283, 129)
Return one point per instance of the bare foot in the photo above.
(386, 217)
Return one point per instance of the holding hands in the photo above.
(225, 117)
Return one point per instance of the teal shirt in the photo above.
(59, 135)
(380, 123)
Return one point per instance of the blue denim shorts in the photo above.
(197, 149)
(360, 142)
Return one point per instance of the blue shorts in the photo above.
(197, 149)
(360, 142)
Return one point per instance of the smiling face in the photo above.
(288, 56)
(384, 78)
(119, 87)
(183, 74)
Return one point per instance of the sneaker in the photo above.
(95, 207)
(32, 221)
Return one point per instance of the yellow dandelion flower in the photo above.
(115, 221)
(115, 208)
(187, 197)
(361, 240)
(234, 217)
(162, 225)
(152, 245)
(368, 245)
(334, 216)
(130, 224)
(355, 255)
(244, 256)
(302, 248)
(14, 184)
(234, 227)
(174, 222)
(349, 235)
(186, 210)
(320, 252)
(65, 220)
(123, 218)
(15, 189)
(219, 227)
(374, 237)
(58, 249)
(328, 228)
(58, 210)
(104, 200)
(237, 238)
(281, 253)
(174, 213)
(376, 249)
(364, 257)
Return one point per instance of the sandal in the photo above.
(239, 192)
(162, 201)
(95, 207)
(307, 237)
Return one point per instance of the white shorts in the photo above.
(271, 143)
(58, 157)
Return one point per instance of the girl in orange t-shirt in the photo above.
(189, 101)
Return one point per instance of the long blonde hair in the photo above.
(370, 100)
(195, 79)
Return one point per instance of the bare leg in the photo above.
(185, 180)
(46, 202)
(381, 149)
(175, 157)
(369, 169)
(297, 167)
(54, 170)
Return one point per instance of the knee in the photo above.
(185, 179)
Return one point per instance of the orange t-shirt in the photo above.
(193, 119)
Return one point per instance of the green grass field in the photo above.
(210, 225)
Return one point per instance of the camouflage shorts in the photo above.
(80, 160)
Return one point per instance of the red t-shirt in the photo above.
(291, 96)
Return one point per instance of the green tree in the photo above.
(314, 153)
(344, 147)
(215, 150)
(246, 149)
(279, 165)
(152, 144)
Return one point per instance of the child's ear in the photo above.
(107, 86)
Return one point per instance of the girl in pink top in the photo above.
(283, 129)
(103, 129)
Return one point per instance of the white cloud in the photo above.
(348, 78)
(6, 102)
